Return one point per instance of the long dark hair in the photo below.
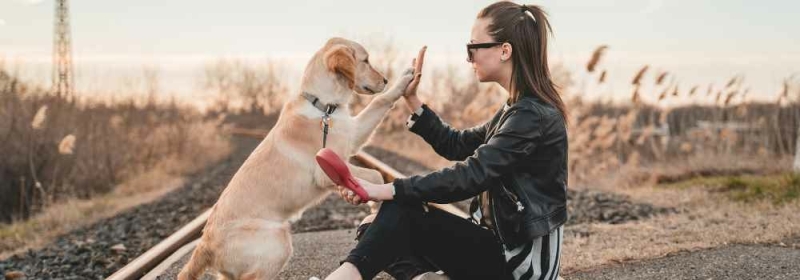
(527, 35)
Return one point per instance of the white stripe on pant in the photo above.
(531, 267)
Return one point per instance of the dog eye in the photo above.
(366, 60)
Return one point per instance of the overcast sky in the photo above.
(702, 41)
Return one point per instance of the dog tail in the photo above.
(197, 264)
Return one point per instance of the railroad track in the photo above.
(169, 251)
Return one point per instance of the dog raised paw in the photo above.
(396, 91)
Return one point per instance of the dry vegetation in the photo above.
(66, 163)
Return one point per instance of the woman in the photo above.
(515, 166)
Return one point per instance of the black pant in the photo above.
(405, 234)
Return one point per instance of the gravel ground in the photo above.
(738, 261)
(102, 248)
(585, 206)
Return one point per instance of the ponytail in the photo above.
(526, 28)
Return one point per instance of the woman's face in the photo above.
(486, 62)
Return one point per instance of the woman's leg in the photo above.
(460, 248)
(404, 267)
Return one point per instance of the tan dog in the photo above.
(247, 235)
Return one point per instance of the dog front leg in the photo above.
(369, 118)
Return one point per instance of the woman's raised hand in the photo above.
(410, 94)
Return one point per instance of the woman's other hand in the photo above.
(375, 192)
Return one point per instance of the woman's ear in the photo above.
(506, 54)
(340, 60)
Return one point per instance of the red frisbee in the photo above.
(337, 170)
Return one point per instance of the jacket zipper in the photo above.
(491, 199)
(494, 211)
(494, 219)
(514, 198)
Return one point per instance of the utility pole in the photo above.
(63, 83)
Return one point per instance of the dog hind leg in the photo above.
(197, 263)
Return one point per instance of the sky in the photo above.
(700, 41)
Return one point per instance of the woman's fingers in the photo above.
(419, 60)
(417, 64)
(356, 200)
(349, 196)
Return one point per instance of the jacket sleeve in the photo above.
(448, 142)
(514, 141)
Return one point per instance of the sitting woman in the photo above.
(514, 165)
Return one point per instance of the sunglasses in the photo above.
(471, 47)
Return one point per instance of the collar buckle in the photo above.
(327, 110)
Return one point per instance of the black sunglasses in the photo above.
(471, 47)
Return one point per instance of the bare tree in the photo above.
(254, 87)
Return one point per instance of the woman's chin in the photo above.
(480, 77)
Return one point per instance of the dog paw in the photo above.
(409, 71)
(400, 85)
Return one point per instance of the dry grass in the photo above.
(779, 188)
(706, 220)
(710, 214)
(165, 175)
(60, 148)
(68, 163)
(596, 56)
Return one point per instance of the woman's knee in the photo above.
(392, 206)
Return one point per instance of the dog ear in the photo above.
(340, 60)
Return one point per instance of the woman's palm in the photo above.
(411, 90)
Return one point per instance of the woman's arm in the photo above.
(515, 139)
(450, 143)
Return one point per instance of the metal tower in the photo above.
(62, 52)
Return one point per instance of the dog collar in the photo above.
(327, 110)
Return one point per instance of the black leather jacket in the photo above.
(519, 157)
